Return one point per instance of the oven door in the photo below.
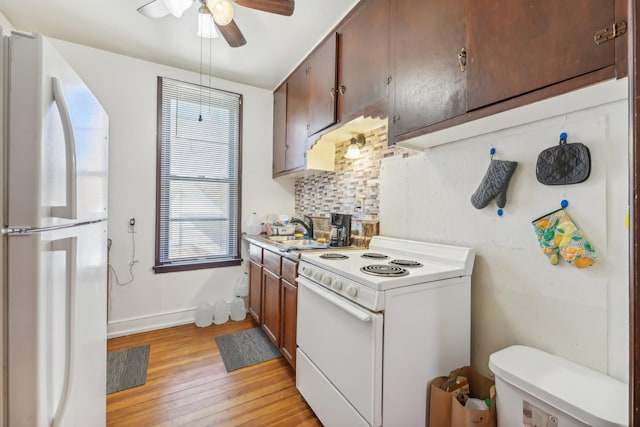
(341, 346)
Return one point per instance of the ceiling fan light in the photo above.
(221, 10)
(206, 27)
(177, 7)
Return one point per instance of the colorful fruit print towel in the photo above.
(559, 235)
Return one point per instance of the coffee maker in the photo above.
(340, 230)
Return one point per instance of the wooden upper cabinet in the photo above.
(279, 128)
(515, 47)
(363, 58)
(297, 119)
(429, 86)
(448, 62)
(322, 85)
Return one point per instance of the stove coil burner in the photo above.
(405, 263)
(374, 255)
(384, 270)
(333, 256)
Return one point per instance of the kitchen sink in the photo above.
(280, 238)
(288, 241)
(298, 242)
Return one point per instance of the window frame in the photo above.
(186, 265)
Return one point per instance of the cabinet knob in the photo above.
(342, 89)
(462, 59)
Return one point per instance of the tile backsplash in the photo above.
(354, 186)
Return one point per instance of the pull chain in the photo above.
(200, 89)
(209, 88)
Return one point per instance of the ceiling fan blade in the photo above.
(281, 7)
(232, 34)
(154, 9)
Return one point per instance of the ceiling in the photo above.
(275, 44)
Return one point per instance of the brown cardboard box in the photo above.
(446, 411)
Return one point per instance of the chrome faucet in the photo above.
(308, 227)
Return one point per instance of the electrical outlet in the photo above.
(132, 225)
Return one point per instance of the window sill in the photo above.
(186, 266)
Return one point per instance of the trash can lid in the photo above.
(590, 396)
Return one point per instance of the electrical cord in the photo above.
(132, 263)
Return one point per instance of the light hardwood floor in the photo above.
(187, 384)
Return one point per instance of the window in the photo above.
(198, 183)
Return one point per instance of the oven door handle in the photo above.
(361, 315)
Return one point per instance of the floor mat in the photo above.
(246, 348)
(127, 368)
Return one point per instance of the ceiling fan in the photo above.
(220, 11)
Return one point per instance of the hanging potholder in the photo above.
(564, 163)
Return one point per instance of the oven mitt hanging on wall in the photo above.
(494, 184)
(564, 163)
(559, 235)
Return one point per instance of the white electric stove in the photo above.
(375, 325)
(389, 263)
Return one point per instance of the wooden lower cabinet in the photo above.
(273, 298)
(271, 306)
(288, 318)
(255, 291)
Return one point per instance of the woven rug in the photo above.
(127, 368)
(246, 348)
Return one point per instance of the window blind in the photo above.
(199, 175)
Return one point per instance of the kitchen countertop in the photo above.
(263, 241)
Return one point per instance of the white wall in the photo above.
(127, 89)
(517, 296)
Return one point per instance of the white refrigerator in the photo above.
(54, 250)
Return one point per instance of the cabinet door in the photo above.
(289, 313)
(297, 119)
(279, 128)
(322, 85)
(429, 87)
(271, 306)
(255, 253)
(515, 47)
(255, 291)
(364, 58)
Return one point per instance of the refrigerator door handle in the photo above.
(70, 210)
(70, 247)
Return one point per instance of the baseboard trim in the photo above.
(135, 325)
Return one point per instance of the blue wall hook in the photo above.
(564, 203)
(500, 212)
(492, 152)
(563, 138)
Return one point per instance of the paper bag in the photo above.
(446, 411)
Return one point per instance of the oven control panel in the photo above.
(358, 293)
